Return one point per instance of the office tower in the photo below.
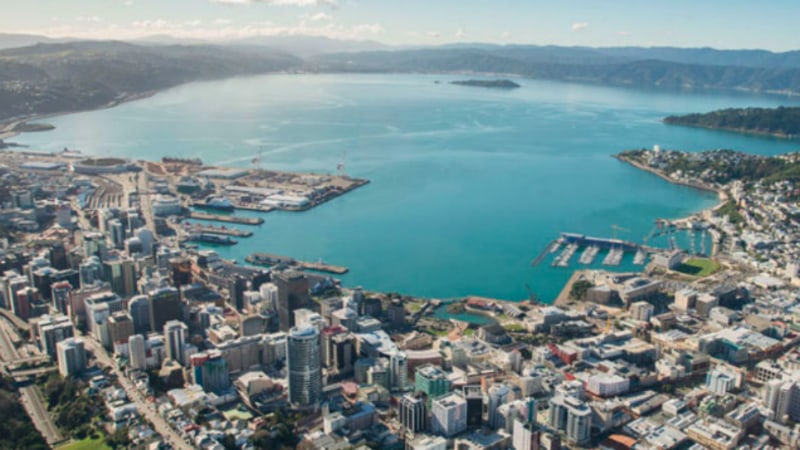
(269, 294)
(498, 395)
(210, 370)
(139, 310)
(782, 399)
(58, 256)
(474, 397)
(138, 352)
(120, 328)
(432, 381)
(147, 240)
(399, 363)
(236, 289)
(579, 422)
(396, 313)
(53, 329)
(449, 415)
(13, 283)
(94, 244)
(117, 232)
(90, 271)
(99, 308)
(120, 272)
(525, 434)
(641, 311)
(60, 293)
(379, 373)
(71, 357)
(175, 340)
(22, 302)
(165, 305)
(304, 367)
(180, 271)
(413, 413)
(292, 294)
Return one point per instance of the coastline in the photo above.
(722, 196)
(744, 131)
(7, 128)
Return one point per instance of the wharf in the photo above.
(253, 207)
(226, 218)
(614, 256)
(588, 255)
(267, 259)
(222, 230)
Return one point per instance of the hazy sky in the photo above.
(770, 24)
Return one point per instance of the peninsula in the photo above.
(783, 122)
(497, 84)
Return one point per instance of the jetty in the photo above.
(588, 255)
(563, 259)
(269, 260)
(614, 256)
(226, 218)
(640, 257)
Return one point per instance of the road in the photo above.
(146, 409)
(31, 399)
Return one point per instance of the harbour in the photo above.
(221, 230)
(269, 260)
(591, 247)
(226, 218)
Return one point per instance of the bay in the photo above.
(468, 184)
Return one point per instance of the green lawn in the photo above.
(86, 444)
(698, 267)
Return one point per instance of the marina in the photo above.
(614, 256)
(563, 259)
(588, 255)
(570, 243)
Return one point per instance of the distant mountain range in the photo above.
(40, 75)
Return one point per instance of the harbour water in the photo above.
(468, 184)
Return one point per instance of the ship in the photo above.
(219, 203)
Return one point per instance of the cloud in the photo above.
(157, 24)
(222, 21)
(459, 33)
(624, 33)
(128, 3)
(579, 26)
(89, 19)
(434, 34)
(505, 35)
(319, 17)
(193, 23)
(303, 3)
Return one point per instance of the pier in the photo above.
(226, 218)
(222, 230)
(570, 243)
(267, 259)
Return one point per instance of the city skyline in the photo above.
(715, 24)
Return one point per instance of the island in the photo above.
(783, 122)
(496, 84)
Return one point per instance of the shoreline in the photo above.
(783, 136)
(7, 130)
(722, 196)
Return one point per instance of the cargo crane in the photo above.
(616, 228)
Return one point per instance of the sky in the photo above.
(727, 24)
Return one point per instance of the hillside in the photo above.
(600, 66)
(54, 78)
(781, 122)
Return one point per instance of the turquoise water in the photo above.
(468, 184)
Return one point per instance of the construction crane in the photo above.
(616, 228)
(257, 160)
(531, 295)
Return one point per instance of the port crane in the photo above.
(617, 228)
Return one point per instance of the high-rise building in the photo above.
(116, 231)
(138, 352)
(22, 302)
(782, 399)
(304, 367)
(165, 305)
(292, 294)
(71, 357)
(210, 370)
(120, 328)
(236, 289)
(181, 271)
(432, 381)
(120, 272)
(473, 394)
(269, 294)
(90, 271)
(642, 311)
(99, 308)
(94, 244)
(52, 330)
(399, 364)
(572, 415)
(498, 395)
(139, 310)
(58, 256)
(413, 412)
(526, 433)
(449, 415)
(175, 340)
(60, 293)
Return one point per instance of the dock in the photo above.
(222, 230)
(267, 259)
(614, 256)
(562, 260)
(588, 255)
(226, 218)
(640, 257)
